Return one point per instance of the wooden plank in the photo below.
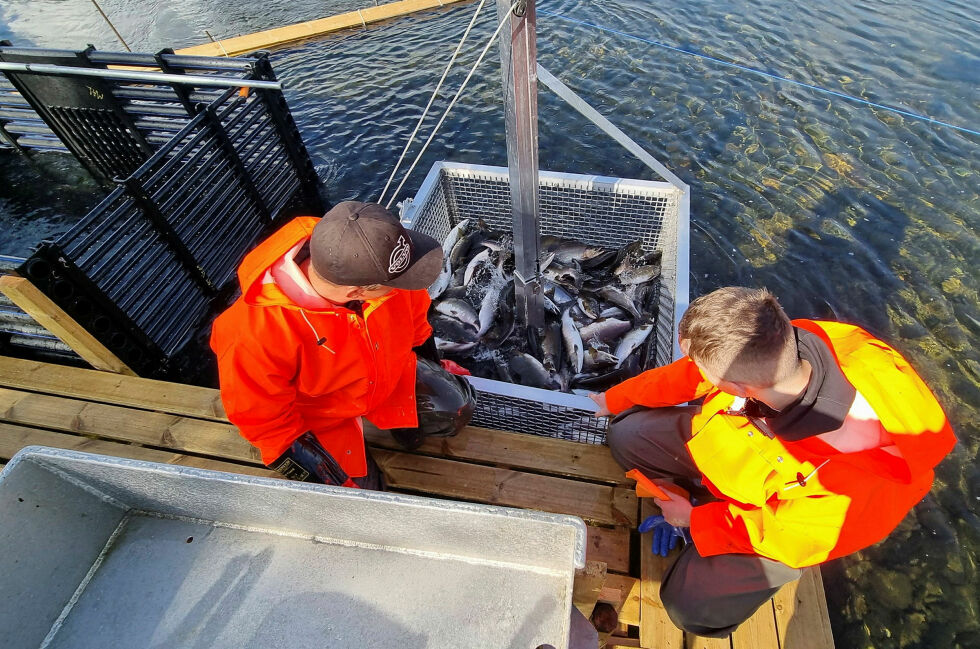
(656, 629)
(757, 632)
(588, 584)
(149, 394)
(518, 451)
(629, 587)
(39, 306)
(114, 422)
(290, 33)
(698, 642)
(598, 503)
(611, 545)
(13, 438)
(802, 619)
(618, 641)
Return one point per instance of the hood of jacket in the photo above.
(254, 269)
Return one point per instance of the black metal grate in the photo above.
(141, 269)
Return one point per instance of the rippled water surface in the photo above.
(837, 207)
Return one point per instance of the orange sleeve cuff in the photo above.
(715, 531)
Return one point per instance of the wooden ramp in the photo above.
(125, 416)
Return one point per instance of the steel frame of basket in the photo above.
(597, 210)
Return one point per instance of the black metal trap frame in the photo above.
(140, 270)
(113, 110)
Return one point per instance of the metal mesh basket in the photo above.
(597, 210)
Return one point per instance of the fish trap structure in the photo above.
(597, 210)
(140, 271)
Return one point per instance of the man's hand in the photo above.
(602, 410)
(677, 510)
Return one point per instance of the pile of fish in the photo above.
(600, 310)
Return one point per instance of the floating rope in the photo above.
(435, 92)
(453, 102)
(776, 77)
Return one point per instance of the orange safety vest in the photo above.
(844, 501)
(277, 382)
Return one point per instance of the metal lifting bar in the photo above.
(150, 77)
(518, 53)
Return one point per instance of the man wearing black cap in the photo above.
(331, 328)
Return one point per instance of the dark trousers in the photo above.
(707, 596)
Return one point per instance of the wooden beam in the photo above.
(39, 306)
(610, 545)
(618, 641)
(517, 450)
(599, 503)
(698, 642)
(312, 29)
(13, 438)
(801, 613)
(656, 629)
(757, 632)
(149, 394)
(125, 424)
(588, 585)
(629, 589)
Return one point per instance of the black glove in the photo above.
(428, 350)
(305, 460)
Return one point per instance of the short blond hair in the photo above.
(742, 335)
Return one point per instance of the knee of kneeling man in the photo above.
(619, 438)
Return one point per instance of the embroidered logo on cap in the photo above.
(400, 256)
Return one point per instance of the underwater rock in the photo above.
(891, 588)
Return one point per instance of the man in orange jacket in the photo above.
(813, 440)
(327, 330)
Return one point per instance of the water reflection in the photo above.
(837, 207)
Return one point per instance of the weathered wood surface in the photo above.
(629, 590)
(802, 619)
(697, 642)
(518, 451)
(133, 392)
(588, 584)
(13, 438)
(758, 632)
(613, 543)
(656, 629)
(599, 503)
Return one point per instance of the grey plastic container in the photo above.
(597, 210)
(104, 552)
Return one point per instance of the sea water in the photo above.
(843, 210)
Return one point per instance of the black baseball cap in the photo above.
(359, 244)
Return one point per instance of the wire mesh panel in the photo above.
(601, 211)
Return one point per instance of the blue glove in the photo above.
(665, 535)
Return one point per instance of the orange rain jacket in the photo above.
(849, 500)
(277, 382)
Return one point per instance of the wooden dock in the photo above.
(126, 416)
